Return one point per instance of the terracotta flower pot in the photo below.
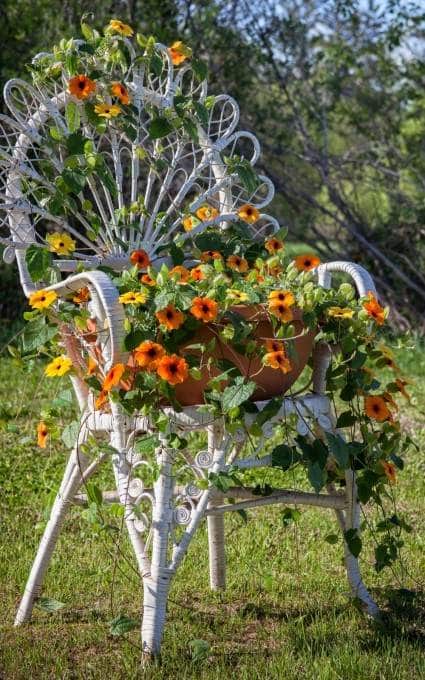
(270, 382)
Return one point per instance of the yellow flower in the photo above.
(108, 110)
(206, 213)
(132, 298)
(62, 244)
(59, 366)
(341, 312)
(117, 26)
(42, 299)
(189, 223)
(236, 295)
(179, 52)
(248, 213)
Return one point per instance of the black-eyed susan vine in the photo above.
(182, 313)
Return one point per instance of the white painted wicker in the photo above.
(153, 515)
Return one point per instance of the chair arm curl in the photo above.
(106, 306)
(362, 279)
(364, 284)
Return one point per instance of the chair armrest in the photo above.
(362, 279)
(364, 283)
(106, 306)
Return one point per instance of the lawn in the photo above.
(285, 613)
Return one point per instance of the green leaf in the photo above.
(156, 64)
(133, 339)
(146, 444)
(74, 180)
(70, 434)
(159, 127)
(346, 419)
(72, 116)
(94, 494)
(106, 177)
(122, 624)
(48, 604)
(353, 541)
(202, 113)
(200, 69)
(190, 127)
(284, 456)
(177, 254)
(236, 394)
(339, 449)
(332, 539)
(290, 515)
(55, 134)
(317, 477)
(75, 143)
(38, 261)
(36, 334)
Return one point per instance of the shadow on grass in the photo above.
(403, 619)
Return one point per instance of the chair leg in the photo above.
(217, 555)
(71, 482)
(352, 521)
(157, 583)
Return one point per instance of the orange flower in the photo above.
(206, 213)
(281, 296)
(118, 90)
(42, 434)
(179, 52)
(248, 213)
(81, 86)
(113, 377)
(197, 274)
(82, 295)
(274, 271)
(237, 263)
(173, 369)
(273, 245)
(374, 309)
(273, 345)
(148, 353)
(140, 259)
(170, 317)
(282, 310)
(390, 471)
(401, 384)
(306, 262)
(180, 273)
(101, 399)
(91, 366)
(278, 360)
(205, 309)
(147, 280)
(209, 255)
(376, 408)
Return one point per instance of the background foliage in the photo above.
(332, 88)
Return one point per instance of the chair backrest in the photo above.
(115, 189)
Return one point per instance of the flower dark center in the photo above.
(205, 308)
(151, 352)
(173, 368)
(169, 314)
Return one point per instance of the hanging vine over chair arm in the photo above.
(362, 279)
(107, 308)
(364, 284)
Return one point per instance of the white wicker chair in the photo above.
(189, 167)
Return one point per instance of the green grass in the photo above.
(285, 613)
